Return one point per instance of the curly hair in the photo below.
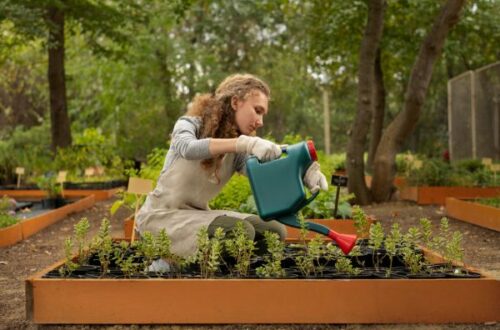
(217, 114)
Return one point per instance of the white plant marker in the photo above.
(89, 171)
(61, 178)
(19, 172)
(487, 162)
(138, 187)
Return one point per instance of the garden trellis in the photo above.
(474, 114)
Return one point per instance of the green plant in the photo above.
(494, 202)
(147, 249)
(361, 222)
(375, 242)
(125, 261)
(7, 220)
(411, 257)
(426, 226)
(241, 248)
(103, 246)
(50, 185)
(276, 248)
(69, 265)
(81, 230)
(343, 265)
(392, 243)
(209, 253)
(7, 204)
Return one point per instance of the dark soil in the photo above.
(38, 252)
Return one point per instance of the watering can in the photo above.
(279, 192)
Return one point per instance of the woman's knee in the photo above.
(273, 226)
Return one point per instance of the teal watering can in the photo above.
(279, 192)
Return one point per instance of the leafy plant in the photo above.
(103, 246)
(49, 184)
(276, 248)
(69, 266)
(241, 248)
(392, 243)
(343, 265)
(81, 230)
(361, 222)
(375, 242)
(125, 261)
(209, 253)
(7, 220)
(412, 259)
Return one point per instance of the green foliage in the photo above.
(7, 204)
(468, 173)
(49, 184)
(360, 221)
(103, 246)
(81, 229)
(125, 261)
(375, 242)
(495, 202)
(392, 243)
(209, 252)
(241, 248)
(7, 220)
(69, 266)
(272, 266)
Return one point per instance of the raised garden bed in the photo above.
(30, 226)
(99, 194)
(474, 213)
(167, 300)
(339, 225)
(437, 195)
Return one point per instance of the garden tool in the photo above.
(279, 193)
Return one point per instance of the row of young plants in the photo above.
(494, 202)
(395, 254)
(90, 149)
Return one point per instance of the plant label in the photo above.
(338, 180)
(139, 186)
(89, 171)
(487, 162)
(417, 164)
(20, 170)
(495, 167)
(61, 176)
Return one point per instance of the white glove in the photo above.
(264, 150)
(314, 179)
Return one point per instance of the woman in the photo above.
(208, 145)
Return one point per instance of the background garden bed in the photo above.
(474, 213)
(437, 195)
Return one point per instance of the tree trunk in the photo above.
(379, 111)
(366, 78)
(59, 120)
(404, 123)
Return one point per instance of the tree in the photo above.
(106, 24)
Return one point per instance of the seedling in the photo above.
(209, 253)
(375, 242)
(360, 221)
(241, 248)
(81, 230)
(276, 248)
(103, 245)
(69, 266)
(392, 242)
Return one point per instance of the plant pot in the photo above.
(11, 235)
(437, 195)
(53, 203)
(474, 213)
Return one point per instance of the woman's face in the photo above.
(250, 111)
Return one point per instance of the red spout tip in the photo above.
(345, 242)
(312, 150)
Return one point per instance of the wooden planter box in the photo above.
(99, 195)
(437, 195)
(475, 213)
(28, 227)
(341, 226)
(231, 301)
(11, 235)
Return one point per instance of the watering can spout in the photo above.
(345, 242)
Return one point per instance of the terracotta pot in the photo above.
(475, 213)
(11, 235)
(128, 226)
(437, 195)
(227, 301)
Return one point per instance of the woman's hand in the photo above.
(264, 150)
(314, 179)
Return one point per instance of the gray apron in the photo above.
(179, 203)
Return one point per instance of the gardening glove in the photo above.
(314, 179)
(264, 150)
